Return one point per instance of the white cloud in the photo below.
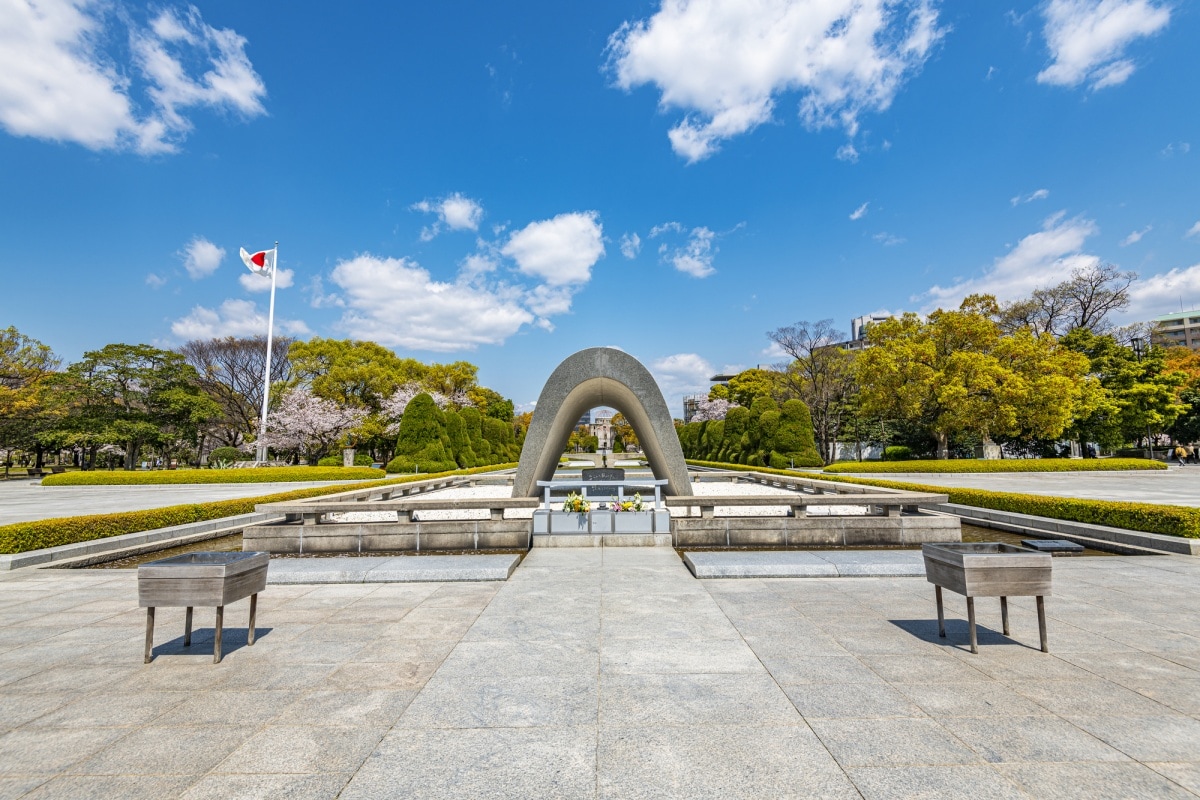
(1192, 231)
(201, 258)
(1154, 295)
(456, 212)
(254, 282)
(887, 239)
(723, 62)
(1136, 236)
(847, 152)
(1087, 39)
(856, 214)
(1044, 258)
(631, 245)
(1183, 148)
(395, 302)
(693, 257)
(681, 374)
(666, 227)
(56, 83)
(478, 264)
(156, 281)
(233, 318)
(1039, 194)
(561, 250)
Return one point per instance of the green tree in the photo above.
(351, 372)
(135, 395)
(960, 373)
(1136, 395)
(28, 396)
(752, 383)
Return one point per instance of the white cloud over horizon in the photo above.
(679, 375)
(1043, 258)
(201, 257)
(57, 83)
(233, 318)
(1087, 39)
(1154, 295)
(723, 63)
(397, 303)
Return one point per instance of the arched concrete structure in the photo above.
(600, 376)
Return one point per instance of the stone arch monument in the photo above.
(600, 376)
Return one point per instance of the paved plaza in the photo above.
(607, 673)
(25, 500)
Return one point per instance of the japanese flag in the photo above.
(260, 263)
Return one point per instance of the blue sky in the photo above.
(509, 183)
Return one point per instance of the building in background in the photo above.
(1181, 329)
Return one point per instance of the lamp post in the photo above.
(1141, 348)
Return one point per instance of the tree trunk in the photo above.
(943, 445)
(130, 453)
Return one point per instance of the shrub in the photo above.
(227, 454)
(176, 476)
(897, 452)
(1001, 465)
(1167, 520)
(360, 460)
(21, 537)
(423, 445)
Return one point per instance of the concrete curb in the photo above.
(391, 569)
(806, 564)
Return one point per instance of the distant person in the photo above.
(1180, 454)
(1191, 453)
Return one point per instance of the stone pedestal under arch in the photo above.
(600, 376)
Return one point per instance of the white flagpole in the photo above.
(261, 454)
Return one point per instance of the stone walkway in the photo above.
(608, 673)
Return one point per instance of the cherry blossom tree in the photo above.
(393, 408)
(712, 410)
(310, 424)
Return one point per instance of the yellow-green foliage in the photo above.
(21, 537)
(249, 475)
(999, 465)
(1147, 517)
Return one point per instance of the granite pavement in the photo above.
(607, 673)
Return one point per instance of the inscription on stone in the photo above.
(598, 474)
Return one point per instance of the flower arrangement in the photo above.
(577, 504)
(629, 505)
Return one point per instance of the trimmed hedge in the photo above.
(227, 454)
(1147, 517)
(21, 537)
(1001, 465)
(249, 475)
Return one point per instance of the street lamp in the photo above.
(1141, 348)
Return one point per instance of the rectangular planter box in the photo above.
(568, 522)
(201, 579)
(633, 522)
